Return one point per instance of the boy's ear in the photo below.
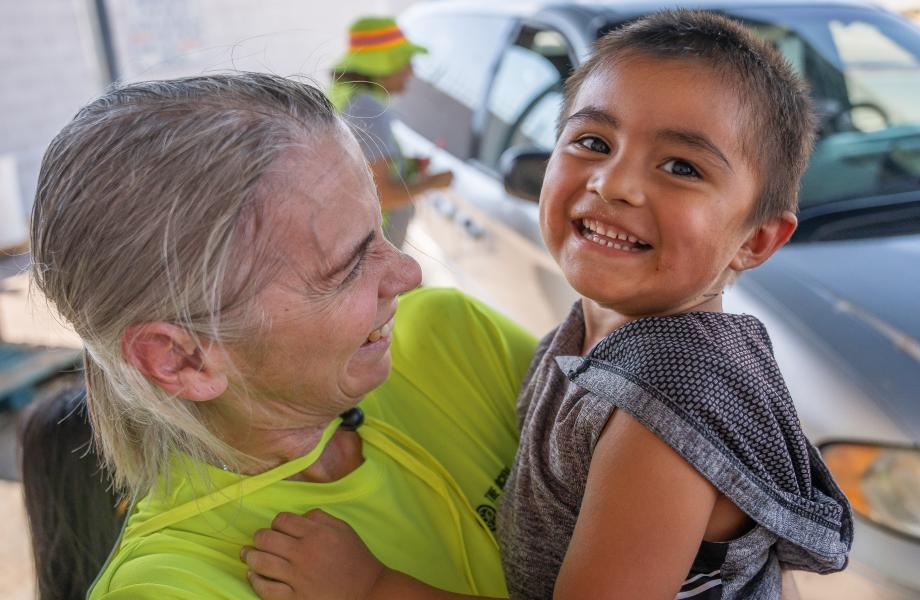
(764, 240)
(169, 357)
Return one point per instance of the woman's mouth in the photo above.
(607, 235)
(381, 332)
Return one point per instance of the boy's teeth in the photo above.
(597, 229)
(374, 336)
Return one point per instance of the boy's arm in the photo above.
(642, 519)
(320, 557)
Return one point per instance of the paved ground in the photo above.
(17, 581)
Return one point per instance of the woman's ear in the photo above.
(170, 358)
(764, 240)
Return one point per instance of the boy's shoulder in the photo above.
(709, 365)
(697, 357)
(714, 371)
(708, 385)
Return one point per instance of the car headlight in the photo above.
(881, 482)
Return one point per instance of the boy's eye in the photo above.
(680, 168)
(594, 144)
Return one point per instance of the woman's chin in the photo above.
(368, 369)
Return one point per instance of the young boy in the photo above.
(660, 453)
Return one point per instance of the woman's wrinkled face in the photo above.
(327, 318)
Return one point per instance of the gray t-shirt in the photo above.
(706, 384)
(372, 123)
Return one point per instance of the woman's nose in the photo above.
(403, 274)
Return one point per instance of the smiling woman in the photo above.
(216, 242)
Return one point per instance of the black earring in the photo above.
(352, 419)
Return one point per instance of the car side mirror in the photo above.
(522, 169)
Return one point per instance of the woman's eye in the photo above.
(680, 168)
(594, 144)
(356, 270)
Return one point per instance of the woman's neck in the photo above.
(273, 446)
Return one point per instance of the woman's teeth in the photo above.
(599, 234)
(385, 330)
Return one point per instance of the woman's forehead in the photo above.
(320, 196)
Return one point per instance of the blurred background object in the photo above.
(56, 55)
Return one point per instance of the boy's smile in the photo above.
(647, 196)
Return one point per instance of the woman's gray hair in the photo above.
(148, 209)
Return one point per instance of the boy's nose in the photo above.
(617, 180)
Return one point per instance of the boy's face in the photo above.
(647, 194)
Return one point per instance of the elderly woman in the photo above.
(216, 242)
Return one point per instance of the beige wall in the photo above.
(168, 38)
(50, 60)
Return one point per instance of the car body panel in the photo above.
(872, 333)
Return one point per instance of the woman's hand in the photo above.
(315, 556)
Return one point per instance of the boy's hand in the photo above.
(421, 164)
(315, 556)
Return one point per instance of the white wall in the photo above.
(48, 70)
(282, 36)
(50, 62)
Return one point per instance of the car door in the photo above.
(520, 112)
(436, 119)
(489, 240)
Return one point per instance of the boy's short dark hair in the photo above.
(775, 98)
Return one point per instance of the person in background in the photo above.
(377, 66)
(74, 513)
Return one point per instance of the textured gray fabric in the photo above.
(372, 124)
(705, 383)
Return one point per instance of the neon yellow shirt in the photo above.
(438, 442)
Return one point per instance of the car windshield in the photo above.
(863, 66)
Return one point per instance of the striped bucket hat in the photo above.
(376, 48)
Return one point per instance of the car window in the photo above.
(450, 80)
(879, 71)
(461, 50)
(526, 94)
(864, 70)
(538, 125)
